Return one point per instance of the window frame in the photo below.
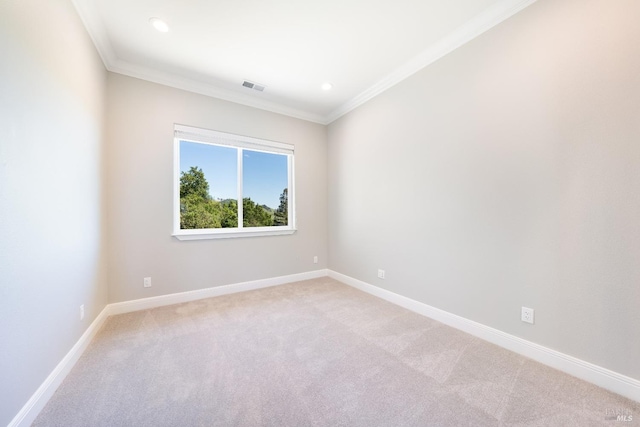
(240, 143)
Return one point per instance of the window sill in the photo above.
(224, 234)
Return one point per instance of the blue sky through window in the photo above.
(265, 175)
(219, 164)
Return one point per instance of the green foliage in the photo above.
(198, 210)
(229, 214)
(254, 215)
(195, 212)
(281, 215)
(194, 183)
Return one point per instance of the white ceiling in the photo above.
(291, 46)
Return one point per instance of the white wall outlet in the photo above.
(380, 274)
(315, 259)
(527, 315)
(82, 312)
(147, 282)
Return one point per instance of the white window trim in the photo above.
(206, 136)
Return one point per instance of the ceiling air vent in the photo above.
(253, 86)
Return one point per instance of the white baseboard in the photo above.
(32, 408)
(597, 375)
(605, 378)
(159, 301)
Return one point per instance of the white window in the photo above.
(228, 185)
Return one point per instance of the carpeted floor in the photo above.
(312, 353)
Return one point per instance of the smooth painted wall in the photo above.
(52, 240)
(141, 117)
(507, 174)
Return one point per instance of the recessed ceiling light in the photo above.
(159, 25)
(327, 86)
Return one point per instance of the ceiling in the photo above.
(292, 47)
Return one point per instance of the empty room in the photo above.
(337, 213)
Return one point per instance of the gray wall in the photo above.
(52, 87)
(140, 118)
(503, 175)
(506, 174)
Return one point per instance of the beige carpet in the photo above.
(313, 353)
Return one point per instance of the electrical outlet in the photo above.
(82, 312)
(147, 282)
(380, 274)
(527, 315)
(315, 259)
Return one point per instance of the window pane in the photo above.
(265, 178)
(208, 186)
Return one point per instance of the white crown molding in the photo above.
(602, 377)
(94, 25)
(90, 17)
(192, 85)
(463, 34)
(489, 18)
